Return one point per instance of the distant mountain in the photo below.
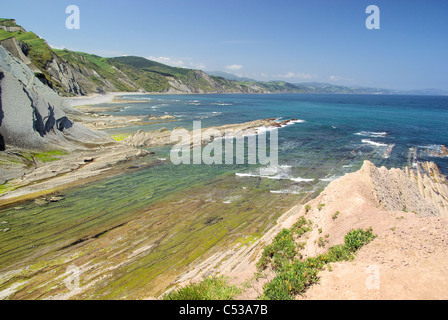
(424, 92)
(317, 87)
(71, 73)
(228, 76)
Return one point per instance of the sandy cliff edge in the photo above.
(407, 210)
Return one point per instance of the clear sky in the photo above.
(292, 40)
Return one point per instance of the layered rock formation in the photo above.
(33, 116)
(162, 136)
(407, 210)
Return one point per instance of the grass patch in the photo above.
(4, 188)
(284, 247)
(335, 215)
(293, 277)
(119, 137)
(213, 288)
(49, 155)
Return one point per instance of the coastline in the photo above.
(410, 227)
(94, 99)
(237, 262)
(71, 170)
(407, 243)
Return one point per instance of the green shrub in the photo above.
(294, 278)
(214, 288)
(355, 239)
(284, 247)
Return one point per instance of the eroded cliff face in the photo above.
(33, 116)
(406, 209)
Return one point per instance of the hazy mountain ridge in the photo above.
(71, 73)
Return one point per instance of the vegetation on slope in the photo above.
(95, 74)
(107, 70)
(213, 288)
(294, 274)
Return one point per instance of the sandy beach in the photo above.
(97, 98)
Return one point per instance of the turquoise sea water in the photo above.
(337, 134)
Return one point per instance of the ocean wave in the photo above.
(371, 134)
(329, 179)
(373, 143)
(282, 172)
(222, 104)
(287, 191)
(292, 122)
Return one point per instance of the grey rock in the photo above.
(33, 116)
(55, 199)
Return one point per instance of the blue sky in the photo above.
(292, 40)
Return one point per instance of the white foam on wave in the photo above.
(292, 122)
(301, 179)
(284, 191)
(371, 134)
(373, 143)
(282, 172)
(329, 179)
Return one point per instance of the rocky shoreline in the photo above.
(162, 137)
(407, 210)
(73, 169)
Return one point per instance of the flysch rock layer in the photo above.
(407, 210)
(33, 116)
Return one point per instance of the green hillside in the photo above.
(73, 73)
(109, 69)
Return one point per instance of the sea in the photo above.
(336, 134)
(196, 209)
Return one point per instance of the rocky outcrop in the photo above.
(33, 116)
(19, 50)
(406, 209)
(162, 137)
